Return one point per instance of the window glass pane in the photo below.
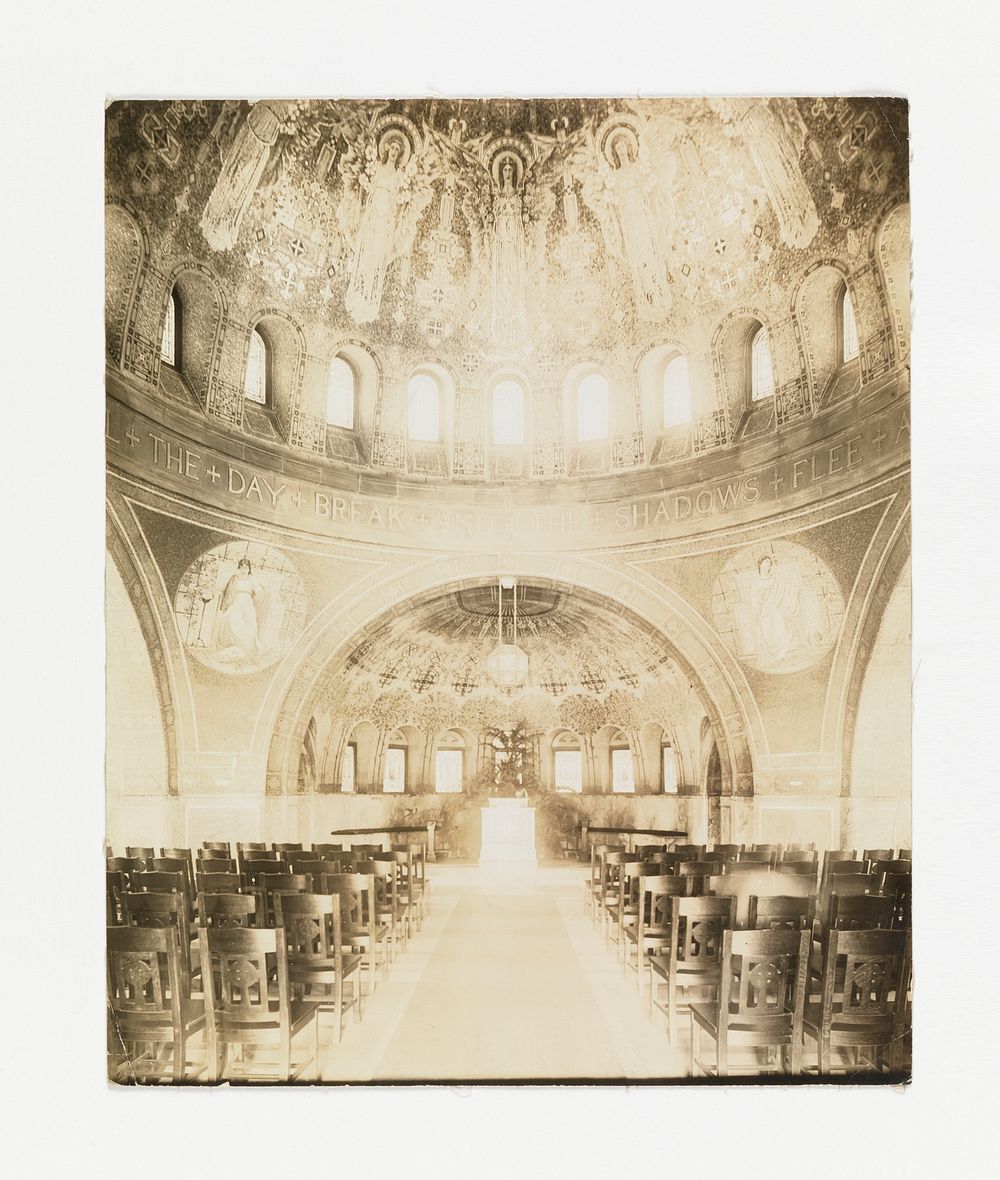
(255, 388)
(394, 778)
(508, 414)
(348, 769)
(762, 372)
(569, 770)
(622, 777)
(423, 409)
(448, 772)
(168, 345)
(669, 771)
(340, 394)
(850, 341)
(676, 393)
(593, 409)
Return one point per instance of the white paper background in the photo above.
(58, 63)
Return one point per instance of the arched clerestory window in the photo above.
(170, 341)
(423, 408)
(848, 328)
(257, 384)
(761, 367)
(676, 393)
(508, 413)
(341, 392)
(593, 408)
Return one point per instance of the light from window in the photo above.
(622, 774)
(761, 369)
(423, 409)
(394, 778)
(593, 409)
(508, 414)
(255, 387)
(168, 343)
(348, 770)
(676, 393)
(670, 775)
(448, 772)
(850, 337)
(569, 771)
(340, 394)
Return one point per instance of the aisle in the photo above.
(507, 980)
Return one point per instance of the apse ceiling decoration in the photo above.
(240, 606)
(507, 228)
(777, 606)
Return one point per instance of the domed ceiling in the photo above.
(508, 229)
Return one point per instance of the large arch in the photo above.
(729, 702)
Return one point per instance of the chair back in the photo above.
(222, 910)
(762, 987)
(169, 864)
(209, 846)
(255, 872)
(159, 911)
(126, 865)
(797, 855)
(385, 875)
(327, 851)
(759, 855)
(653, 904)
(696, 928)
(160, 882)
(286, 847)
(736, 867)
(797, 868)
(251, 846)
(356, 892)
(115, 886)
(274, 884)
(866, 974)
(312, 927)
(248, 855)
(898, 888)
(304, 862)
(879, 868)
(875, 854)
(864, 911)
(698, 849)
(140, 853)
(141, 960)
(781, 913)
(236, 966)
(221, 864)
(697, 874)
(220, 883)
(778, 848)
(727, 850)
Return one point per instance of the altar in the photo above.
(508, 832)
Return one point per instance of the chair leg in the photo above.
(693, 1055)
(671, 1008)
(315, 1045)
(721, 1052)
(338, 1006)
(178, 1056)
(285, 1056)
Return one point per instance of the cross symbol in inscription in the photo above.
(776, 481)
(879, 437)
(133, 438)
(214, 474)
(423, 520)
(296, 498)
(297, 247)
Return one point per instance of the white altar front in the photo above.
(508, 832)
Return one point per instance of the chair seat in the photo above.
(771, 1029)
(649, 937)
(300, 1013)
(139, 1023)
(360, 934)
(874, 1031)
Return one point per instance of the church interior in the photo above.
(508, 590)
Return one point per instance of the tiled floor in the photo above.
(507, 980)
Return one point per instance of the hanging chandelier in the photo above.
(507, 663)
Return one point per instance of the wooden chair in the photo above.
(280, 848)
(115, 886)
(418, 874)
(211, 846)
(274, 884)
(610, 876)
(777, 849)
(622, 911)
(242, 1010)
(863, 1002)
(761, 1002)
(781, 913)
(691, 956)
(879, 868)
(220, 883)
(697, 849)
(217, 865)
(165, 882)
(875, 854)
(865, 911)
(734, 868)
(728, 850)
(184, 855)
(327, 851)
(317, 960)
(252, 855)
(176, 864)
(834, 856)
(837, 869)
(697, 874)
(755, 855)
(226, 910)
(408, 891)
(251, 846)
(593, 884)
(389, 907)
(143, 854)
(651, 929)
(797, 855)
(797, 868)
(126, 865)
(742, 885)
(148, 1006)
(898, 887)
(305, 862)
(360, 927)
(161, 911)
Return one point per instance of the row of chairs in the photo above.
(250, 969)
(771, 969)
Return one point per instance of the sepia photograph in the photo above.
(508, 590)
